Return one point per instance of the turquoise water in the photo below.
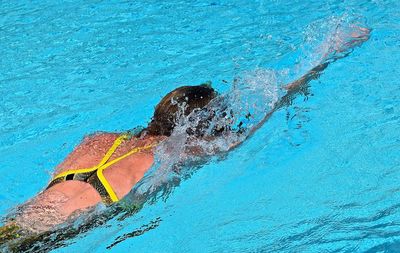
(320, 176)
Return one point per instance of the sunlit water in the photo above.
(320, 176)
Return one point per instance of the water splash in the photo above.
(225, 122)
(251, 97)
(325, 40)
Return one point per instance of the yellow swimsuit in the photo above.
(94, 175)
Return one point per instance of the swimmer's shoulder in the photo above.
(103, 137)
(91, 147)
(99, 141)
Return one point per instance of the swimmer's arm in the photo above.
(341, 47)
(252, 130)
(292, 89)
(313, 74)
(341, 50)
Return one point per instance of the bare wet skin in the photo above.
(59, 202)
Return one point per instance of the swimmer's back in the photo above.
(122, 175)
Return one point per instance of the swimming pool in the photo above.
(321, 175)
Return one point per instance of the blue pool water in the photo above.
(322, 175)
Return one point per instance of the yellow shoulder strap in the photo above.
(103, 180)
(107, 156)
(111, 151)
(104, 164)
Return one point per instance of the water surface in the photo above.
(320, 176)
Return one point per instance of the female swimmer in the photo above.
(106, 166)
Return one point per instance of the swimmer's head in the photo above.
(167, 111)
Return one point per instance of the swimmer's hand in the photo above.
(347, 40)
(338, 46)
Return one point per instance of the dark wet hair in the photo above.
(167, 111)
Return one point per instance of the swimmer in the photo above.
(104, 167)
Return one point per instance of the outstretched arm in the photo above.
(342, 46)
(340, 49)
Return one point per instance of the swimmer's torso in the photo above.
(121, 176)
